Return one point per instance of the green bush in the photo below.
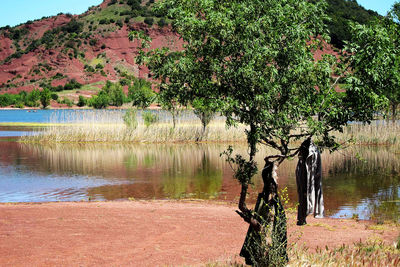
(149, 118)
(141, 94)
(54, 96)
(73, 26)
(82, 101)
(161, 23)
(19, 105)
(130, 118)
(31, 99)
(103, 21)
(45, 97)
(67, 101)
(93, 42)
(88, 68)
(149, 21)
(120, 23)
(100, 101)
(72, 84)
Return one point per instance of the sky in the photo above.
(14, 12)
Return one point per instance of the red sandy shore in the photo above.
(147, 233)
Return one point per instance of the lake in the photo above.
(358, 181)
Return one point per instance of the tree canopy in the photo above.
(254, 60)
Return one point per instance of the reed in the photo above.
(110, 127)
(379, 132)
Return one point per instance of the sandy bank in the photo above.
(147, 233)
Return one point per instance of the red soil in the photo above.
(147, 233)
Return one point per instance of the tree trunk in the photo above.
(265, 244)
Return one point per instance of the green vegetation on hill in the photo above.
(84, 29)
(341, 12)
(85, 32)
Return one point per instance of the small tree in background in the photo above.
(45, 97)
(141, 94)
(204, 110)
(254, 58)
(169, 103)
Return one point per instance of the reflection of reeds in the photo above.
(378, 132)
(109, 127)
(122, 160)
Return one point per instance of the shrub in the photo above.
(82, 101)
(67, 101)
(130, 118)
(149, 118)
(103, 21)
(161, 23)
(141, 94)
(124, 82)
(149, 21)
(19, 105)
(100, 101)
(72, 84)
(93, 42)
(45, 97)
(89, 68)
(54, 96)
(73, 26)
(120, 23)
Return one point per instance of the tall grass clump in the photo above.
(130, 118)
(379, 132)
(134, 126)
(149, 118)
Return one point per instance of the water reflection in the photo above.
(361, 180)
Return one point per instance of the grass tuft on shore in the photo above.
(359, 254)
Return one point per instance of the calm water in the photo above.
(361, 180)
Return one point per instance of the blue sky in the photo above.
(13, 12)
(380, 6)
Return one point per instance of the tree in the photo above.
(45, 97)
(254, 59)
(141, 94)
(204, 110)
(169, 103)
(375, 56)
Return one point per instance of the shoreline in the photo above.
(152, 233)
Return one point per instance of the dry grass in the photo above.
(379, 132)
(109, 127)
(359, 254)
